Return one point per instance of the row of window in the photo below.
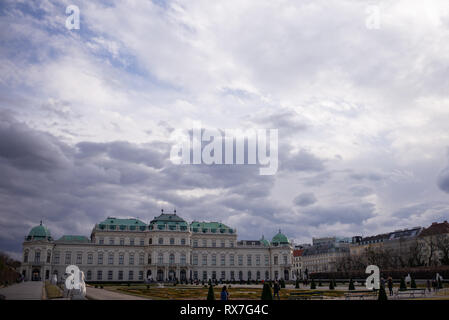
(171, 241)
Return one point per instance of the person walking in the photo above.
(224, 294)
(276, 290)
(390, 285)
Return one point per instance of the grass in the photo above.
(200, 293)
(52, 291)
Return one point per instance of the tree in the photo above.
(210, 293)
(351, 285)
(382, 294)
(442, 244)
(413, 284)
(402, 286)
(331, 285)
(312, 284)
(266, 292)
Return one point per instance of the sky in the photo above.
(358, 90)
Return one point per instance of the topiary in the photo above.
(210, 293)
(382, 294)
(297, 284)
(266, 292)
(331, 285)
(351, 285)
(402, 286)
(312, 284)
(413, 284)
(319, 283)
(282, 283)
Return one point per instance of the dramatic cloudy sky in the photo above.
(362, 112)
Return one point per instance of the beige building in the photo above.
(167, 248)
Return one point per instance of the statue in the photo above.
(74, 283)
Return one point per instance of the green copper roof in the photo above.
(213, 227)
(279, 238)
(74, 239)
(112, 223)
(264, 241)
(39, 232)
(168, 221)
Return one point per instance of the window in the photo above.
(249, 260)
(223, 275)
(249, 275)
(223, 260)
(275, 262)
(267, 260)
(100, 258)
(90, 258)
(258, 275)
(240, 260)
(240, 275)
(141, 258)
(25, 256)
(276, 275)
(131, 275)
(195, 243)
(111, 258)
(161, 241)
(141, 275)
(131, 258)
(285, 258)
(48, 256)
(110, 275)
(150, 241)
(68, 258)
(204, 243)
(183, 241)
(149, 258)
(195, 275)
(183, 258)
(204, 259)
(231, 244)
(222, 244)
(101, 241)
(231, 259)
(171, 258)
(195, 259)
(214, 259)
(214, 243)
(111, 240)
(131, 241)
(121, 257)
(232, 276)
(267, 275)
(37, 256)
(204, 275)
(122, 241)
(89, 275)
(172, 240)
(214, 275)
(56, 258)
(99, 275)
(160, 258)
(79, 258)
(258, 260)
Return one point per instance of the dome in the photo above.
(279, 239)
(39, 232)
(264, 241)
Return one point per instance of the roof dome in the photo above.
(264, 241)
(280, 238)
(39, 232)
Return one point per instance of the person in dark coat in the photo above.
(224, 294)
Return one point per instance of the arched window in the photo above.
(25, 256)
(183, 258)
(267, 275)
(249, 275)
(172, 258)
(151, 241)
(160, 258)
(258, 275)
(240, 275)
(48, 256)
(89, 275)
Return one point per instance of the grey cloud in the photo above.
(301, 161)
(443, 180)
(305, 199)
(345, 214)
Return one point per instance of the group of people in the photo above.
(276, 289)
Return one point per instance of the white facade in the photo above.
(166, 249)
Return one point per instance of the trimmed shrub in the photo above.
(297, 284)
(351, 285)
(331, 285)
(382, 294)
(413, 284)
(312, 284)
(402, 286)
(266, 292)
(210, 293)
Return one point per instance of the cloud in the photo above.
(305, 199)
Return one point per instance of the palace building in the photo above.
(168, 248)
